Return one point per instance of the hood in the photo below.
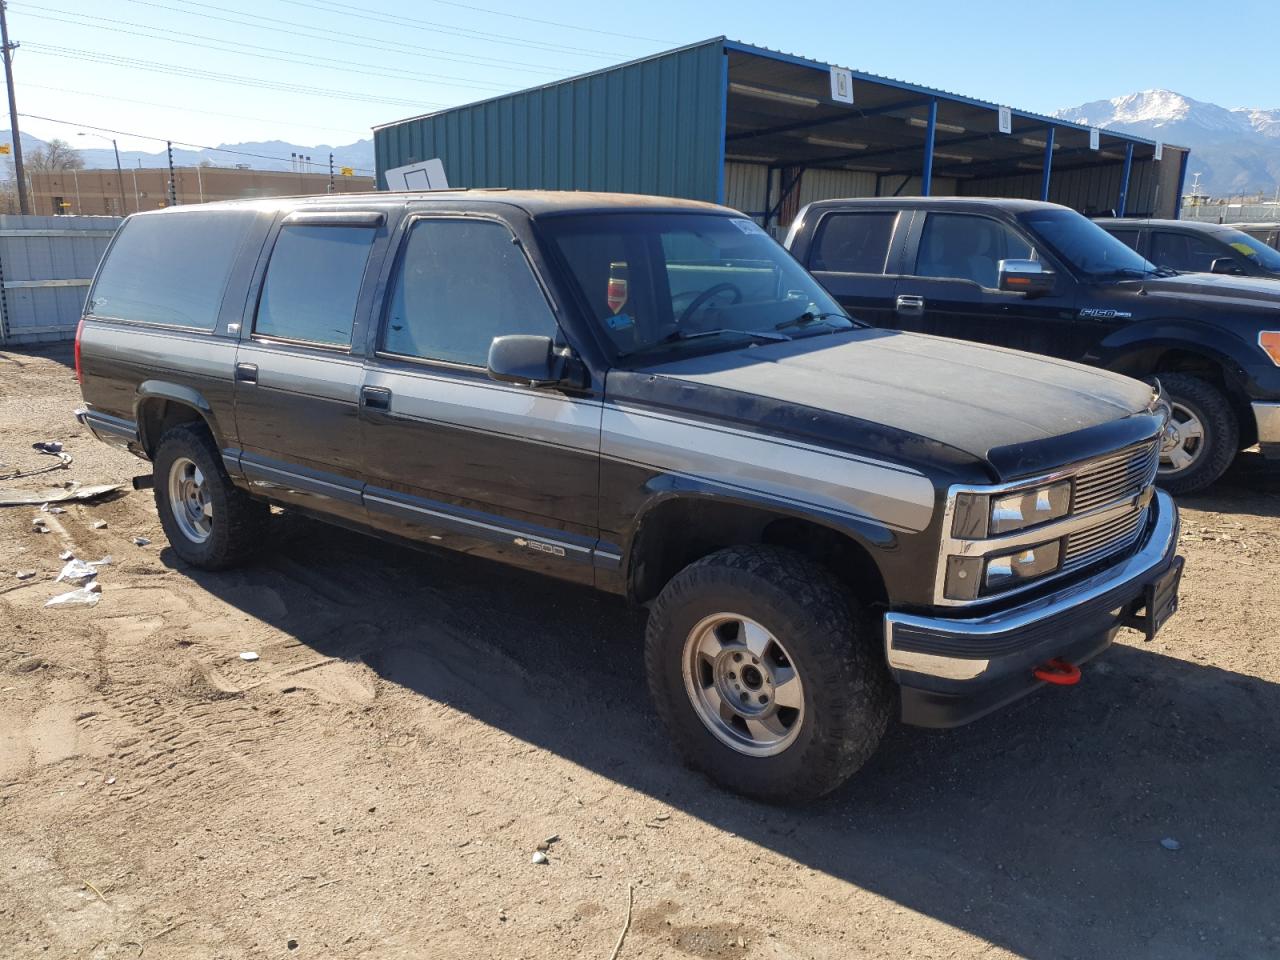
(1253, 293)
(968, 396)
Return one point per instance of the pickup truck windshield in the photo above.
(1266, 257)
(673, 284)
(1086, 246)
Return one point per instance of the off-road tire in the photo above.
(238, 522)
(1221, 433)
(848, 694)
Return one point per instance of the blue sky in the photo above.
(189, 69)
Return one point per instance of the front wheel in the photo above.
(1202, 437)
(766, 674)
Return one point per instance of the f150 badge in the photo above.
(1103, 313)
(540, 547)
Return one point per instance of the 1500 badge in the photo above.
(1102, 313)
(540, 547)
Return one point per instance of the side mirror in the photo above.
(1025, 276)
(530, 361)
(1226, 265)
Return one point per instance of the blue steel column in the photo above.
(1048, 165)
(1124, 179)
(926, 178)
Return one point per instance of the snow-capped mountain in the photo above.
(1236, 150)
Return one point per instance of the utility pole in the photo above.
(173, 185)
(13, 110)
(331, 173)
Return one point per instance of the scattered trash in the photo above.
(99, 524)
(73, 491)
(39, 525)
(111, 781)
(1170, 844)
(48, 446)
(539, 857)
(292, 944)
(141, 541)
(104, 562)
(77, 571)
(45, 508)
(546, 844)
(617, 947)
(64, 461)
(84, 597)
(65, 555)
(249, 656)
(25, 574)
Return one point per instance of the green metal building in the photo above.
(767, 132)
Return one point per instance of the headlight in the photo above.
(1269, 341)
(1024, 564)
(978, 517)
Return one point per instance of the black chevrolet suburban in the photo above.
(1040, 277)
(829, 523)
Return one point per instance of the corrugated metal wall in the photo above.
(892, 186)
(1095, 190)
(47, 264)
(653, 126)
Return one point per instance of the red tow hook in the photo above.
(1059, 672)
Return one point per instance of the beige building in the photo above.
(91, 192)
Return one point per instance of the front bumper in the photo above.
(952, 671)
(1267, 416)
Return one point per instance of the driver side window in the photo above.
(966, 247)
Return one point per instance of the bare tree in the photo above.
(55, 155)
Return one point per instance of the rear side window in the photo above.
(1128, 237)
(459, 284)
(313, 283)
(853, 242)
(170, 268)
(1182, 251)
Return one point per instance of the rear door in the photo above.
(452, 456)
(950, 288)
(298, 376)
(1189, 252)
(855, 254)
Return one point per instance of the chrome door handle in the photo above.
(375, 398)
(909, 303)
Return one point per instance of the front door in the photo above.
(297, 377)
(951, 288)
(453, 457)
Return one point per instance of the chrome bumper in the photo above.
(1268, 417)
(967, 652)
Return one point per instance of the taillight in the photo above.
(79, 333)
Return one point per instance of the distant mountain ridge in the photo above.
(265, 154)
(1236, 149)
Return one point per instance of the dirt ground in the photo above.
(374, 785)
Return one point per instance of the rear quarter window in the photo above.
(853, 242)
(170, 268)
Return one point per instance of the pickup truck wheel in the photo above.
(209, 522)
(1202, 438)
(766, 674)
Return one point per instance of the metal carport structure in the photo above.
(766, 132)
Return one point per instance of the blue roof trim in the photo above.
(752, 49)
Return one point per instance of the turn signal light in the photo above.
(1269, 341)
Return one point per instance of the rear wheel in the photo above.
(1202, 438)
(210, 523)
(766, 674)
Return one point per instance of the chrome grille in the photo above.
(1094, 544)
(1115, 478)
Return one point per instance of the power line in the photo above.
(434, 27)
(350, 39)
(181, 143)
(173, 69)
(187, 109)
(307, 59)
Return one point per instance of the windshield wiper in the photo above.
(809, 317)
(680, 335)
(1133, 272)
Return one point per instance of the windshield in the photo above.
(1266, 257)
(1085, 245)
(669, 285)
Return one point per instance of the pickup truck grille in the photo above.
(1096, 543)
(1125, 475)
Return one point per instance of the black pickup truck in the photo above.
(1040, 277)
(829, 523)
